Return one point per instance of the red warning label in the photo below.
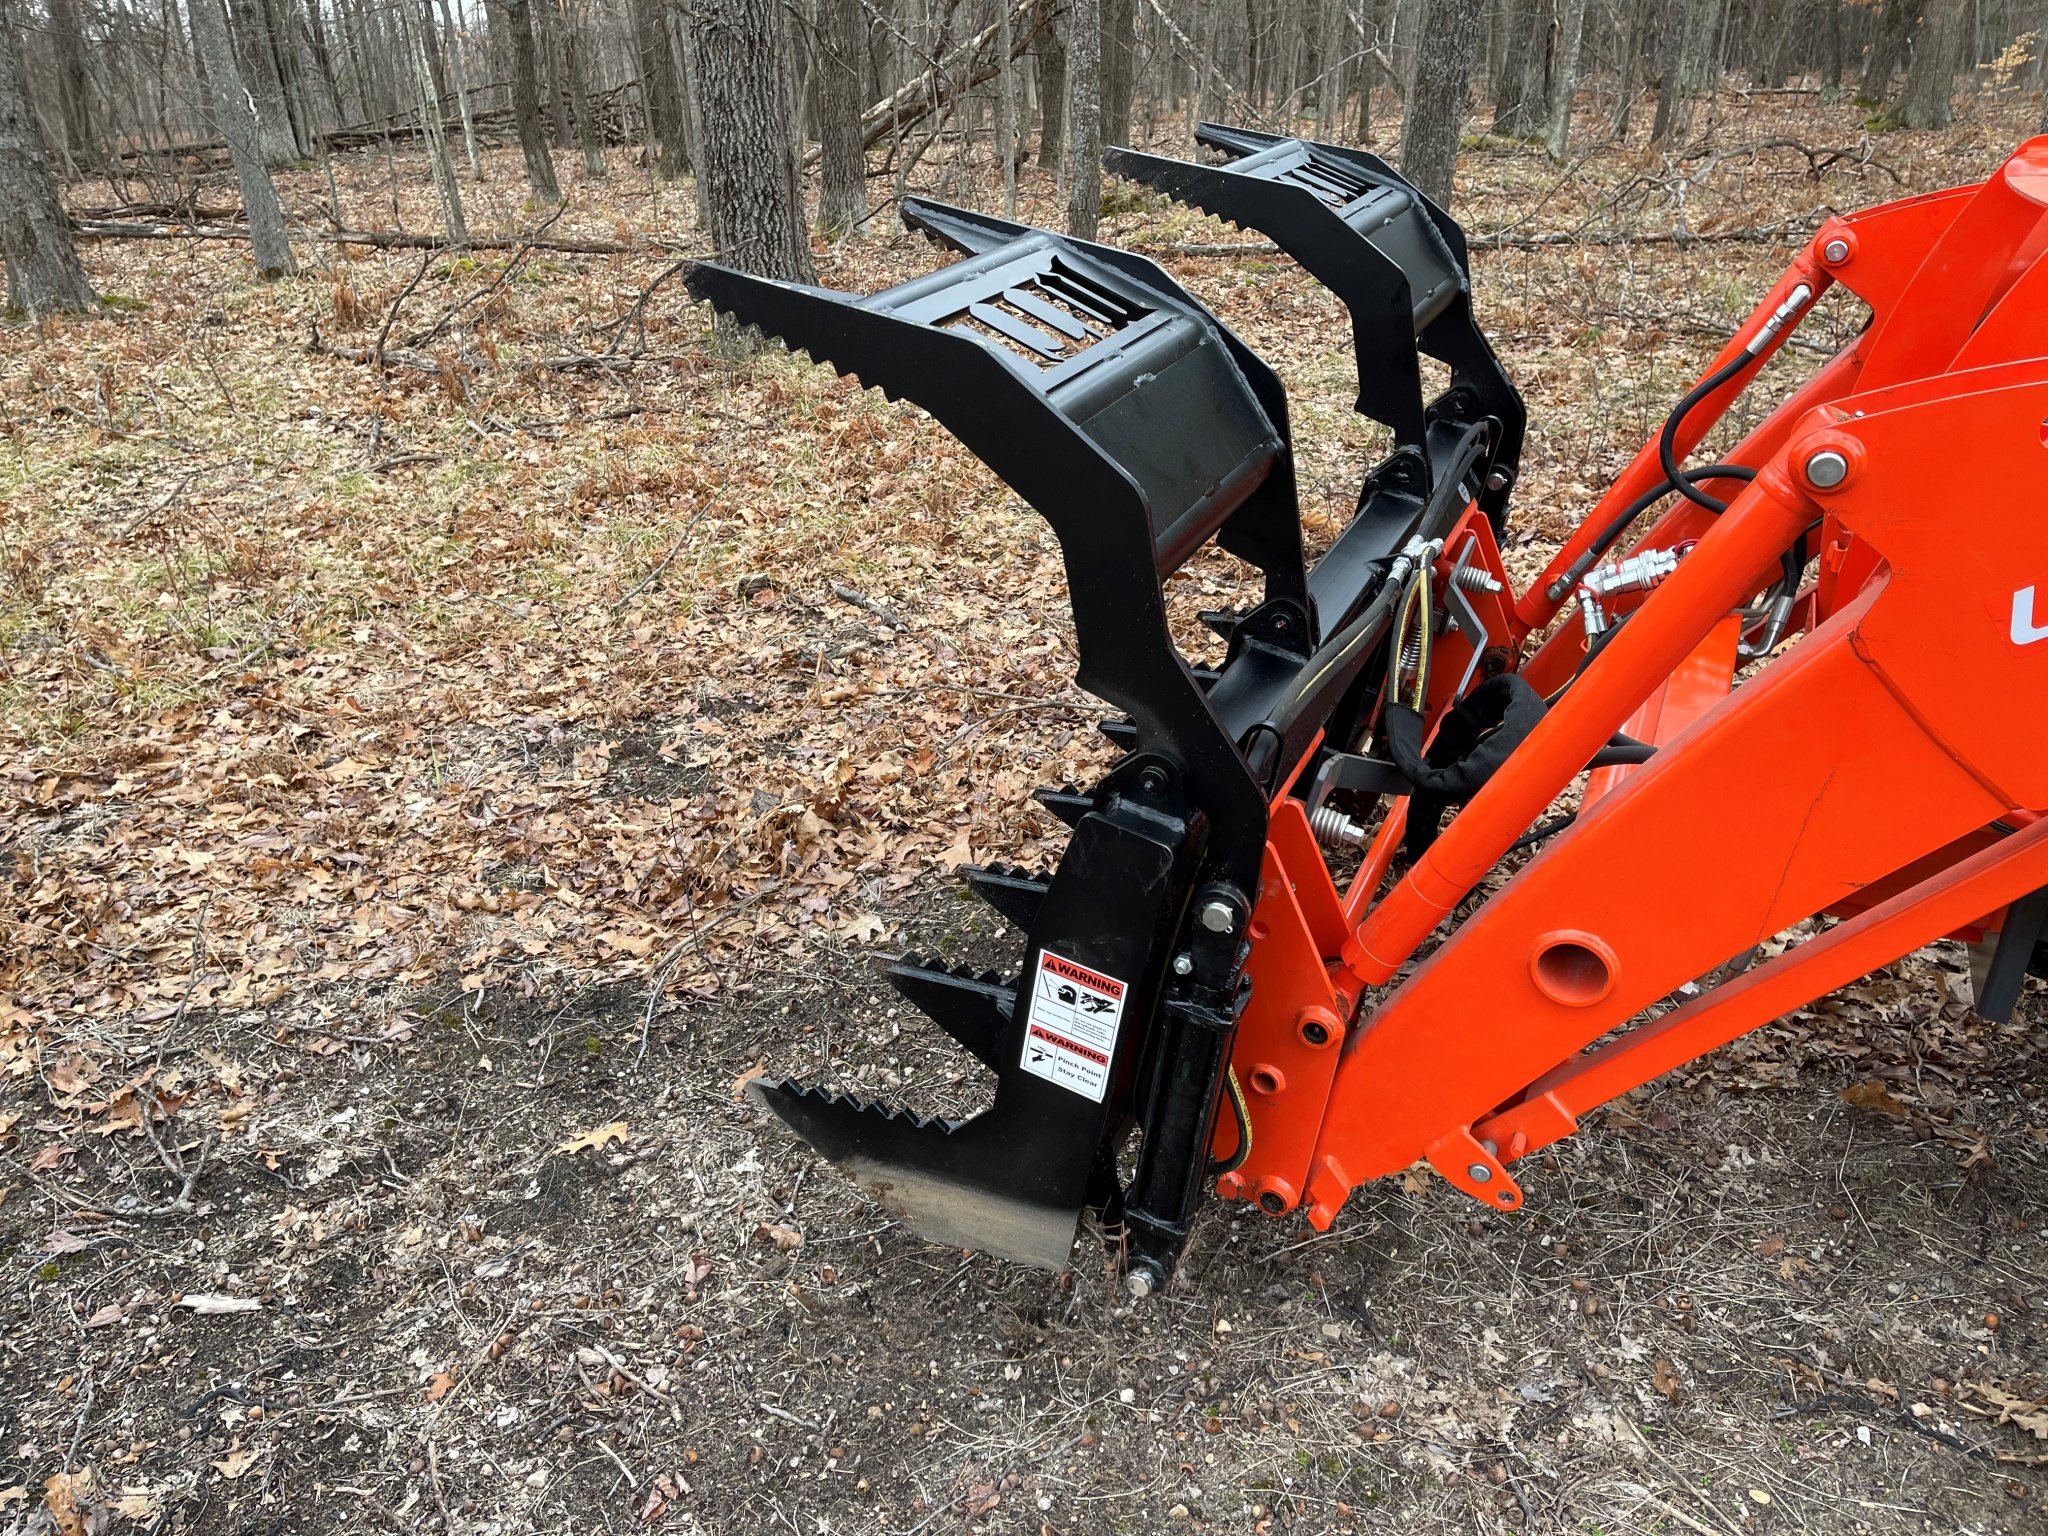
(1075, 1015)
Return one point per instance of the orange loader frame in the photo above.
(1884, 768)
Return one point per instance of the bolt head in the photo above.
(1219, 917)
(1183, 965)
(1138, 1284)
(1480, 1173)
(1835, 251)
(1826, 470)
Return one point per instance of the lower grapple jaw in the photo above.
(953, 1181)
(1064, 1040)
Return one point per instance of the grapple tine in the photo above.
(974, 1009)
(952, 1180)
(1014, 892)
(1066, 802)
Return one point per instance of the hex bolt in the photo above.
(1183, 965)
(1826, 469)
(1139, 1283)
(1480, 1173)
(1219, 917)
(1835, 252)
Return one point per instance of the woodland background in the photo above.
(461, 718)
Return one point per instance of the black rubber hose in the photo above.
(1667, 440)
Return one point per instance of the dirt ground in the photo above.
(428, 794)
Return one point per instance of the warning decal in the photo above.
(1075, 1013)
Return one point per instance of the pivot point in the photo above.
(1826, 469)
(1835, 251)
(1219, 917)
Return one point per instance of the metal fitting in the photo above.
(1183, 965)
(1835, 251)
(1638, 573)
(1480, 1173)
(1139, 1284)
(1474, 579)
(1333, 829)
(1826, 470)
(1794, 302)
(1219, 917)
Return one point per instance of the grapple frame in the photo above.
(1855, 746)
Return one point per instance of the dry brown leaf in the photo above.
(236, 1462)
(784, 1238)
(439, 1385)
(1875, 1097)
(2006, 1407)
(596, 1140)
(739, 1084)
(1664, 1377)
(63, 1493)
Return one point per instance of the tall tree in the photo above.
(517, 22)
(234, 113)
(1119, 68)
(575, 53)
(1564, 75)
(1896, 20)
(458, 63)
(74, 82)
(1518, 101)
(746, 163)
(1436, 107)
(256, 57)
(843, 168)
(1929, 99)
(1084, 118)
(1052, 92)
(456, 227)
(661, 89)
(43, 273)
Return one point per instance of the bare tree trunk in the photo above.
(1669, 89)
(1084, 118)
(1052, 93)
(234, 112)
(1831, 70)
(1006, 110)
(249, 30)
(456, 227)
(1564, 78)
(1896, 20)
(74, 84)
(1937, 54)
(43, 273)
(745, 159)
(661, 93)
(533, 139)
(1119, 68)
(589, 132)
(1435, 119)
(456, 63)
(1518, 110)
(843, 165)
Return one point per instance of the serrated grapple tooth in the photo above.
(1014, 892)
(973, 1008)
(1067, 803)
(955, 1181)
(1223, 621)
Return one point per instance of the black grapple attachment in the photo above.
(1398, 264)
(1141, 429)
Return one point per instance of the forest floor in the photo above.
(429, 793)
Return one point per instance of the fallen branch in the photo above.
(101, 229)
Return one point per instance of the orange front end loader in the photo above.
(1571, 818)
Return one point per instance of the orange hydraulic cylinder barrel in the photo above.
(1536, 607)
(1716, 576)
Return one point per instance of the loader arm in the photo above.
(1793, 686)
